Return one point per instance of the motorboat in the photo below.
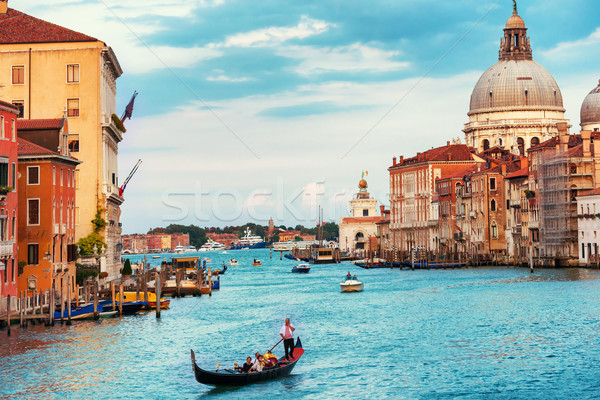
(256, 262)
(351, 285)
(233, 262)
(301, 269)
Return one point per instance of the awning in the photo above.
(2, 266)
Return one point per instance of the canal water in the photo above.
(469, 333)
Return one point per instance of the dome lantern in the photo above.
(515, 44)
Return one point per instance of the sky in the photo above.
(250, 110)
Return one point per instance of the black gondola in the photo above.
(228, 377)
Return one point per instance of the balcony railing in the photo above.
(6, 249)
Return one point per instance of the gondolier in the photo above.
(287, 334)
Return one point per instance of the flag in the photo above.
(129, 109)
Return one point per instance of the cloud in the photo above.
(581, 46)
(276, 35)
(356, 57)
(221, 77)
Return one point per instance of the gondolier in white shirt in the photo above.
(287, 334)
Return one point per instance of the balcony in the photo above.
(515, 203)
(516, 230)
(6, 249)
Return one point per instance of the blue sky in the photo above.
(256, 109)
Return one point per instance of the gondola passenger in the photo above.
(247, 365)
(259, 365)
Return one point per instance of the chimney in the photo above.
(563, 137)
(524, 162)
(586, 136)
(503, 168)
(448, 143)
(3, 6)
(382, 209)
(394, 161)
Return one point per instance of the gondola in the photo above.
(228, 377)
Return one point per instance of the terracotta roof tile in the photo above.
(519, 174)
(593, 192)
(18, 27)
(355, 220)
(26, 148)
(35, 124)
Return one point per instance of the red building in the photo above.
(47, 247)
(8, 200)
(179, 239)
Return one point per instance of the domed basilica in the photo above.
(516, 103)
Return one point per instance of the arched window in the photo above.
(494, 230)
(535, 141)
(500, 142)
(493, 205)
(359, 237)
(486, 144)
(521, 145)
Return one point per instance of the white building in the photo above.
(360, 228)
(588, 226)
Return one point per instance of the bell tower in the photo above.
(515, 43)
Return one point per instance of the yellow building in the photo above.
(165, 242)
(51, 71)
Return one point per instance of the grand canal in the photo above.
(470, 333)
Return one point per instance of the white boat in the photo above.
(189, 249)
(249, 241)
(233, 261)
(351, 285)
(155, 256)
(211, 245)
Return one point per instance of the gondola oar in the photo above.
(274, 346)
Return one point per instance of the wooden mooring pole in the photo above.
(157, 291)
(69, 301)
(8, 314)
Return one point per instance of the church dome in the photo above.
(515, 21)
(590, 109)
(511, 85)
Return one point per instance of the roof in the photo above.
(450, 152)
(593, 192)
(26, 148)
(9, 107)
(460, 174)
(590, 108)
(39, 124)
(516, 85)
(357, 220)
(519, 174)
(17, 27)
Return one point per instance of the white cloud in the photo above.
(581, 46)
(225, 78)
(276, 35)
(352, 58)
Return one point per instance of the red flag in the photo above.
(129, 109)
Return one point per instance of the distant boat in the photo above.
(301, 269)
(211, 245)
(249, 241)
(351, 285)
(155, 256)
(233, 261)
(256, 262)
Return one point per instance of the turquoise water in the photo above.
(470, 333)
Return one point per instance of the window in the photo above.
(33, 254)
(21, 105)
(33, 175)
(365, 213)
(18, 75)
(68, 178)
(493, 205)
(3, 171)
(74, 143)
(73, 107)
(486, 144)
(494, 230)
(61, 176)
(492, 183)
(13, 129)
(72, 73)
(33, 211)
(2, 126)
(54, 175)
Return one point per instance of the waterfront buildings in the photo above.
(588, 227)
(47, 250)
(358, 232)
(156, 242)
(47, 69)
(8, 199)
(509, 193)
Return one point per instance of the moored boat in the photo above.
(228, 377)
(301, 269)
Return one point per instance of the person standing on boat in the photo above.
(287, 334)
